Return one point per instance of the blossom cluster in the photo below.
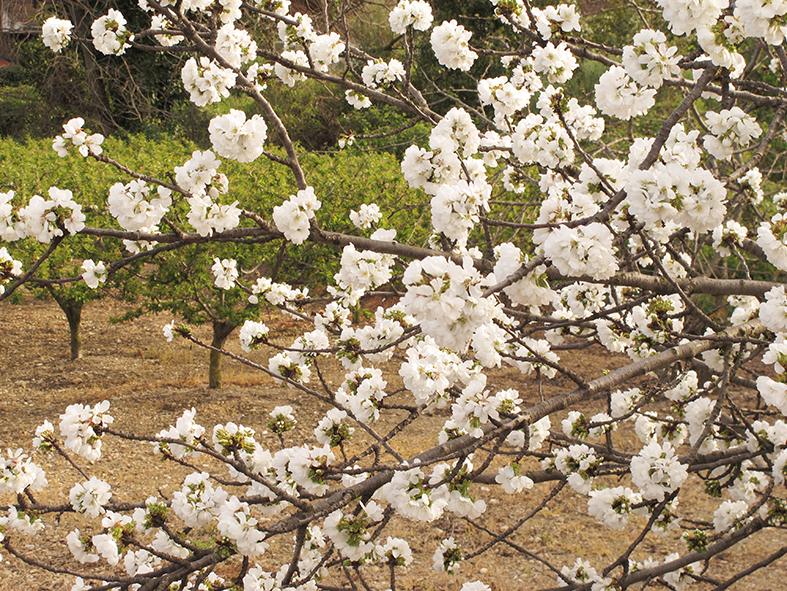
(450, 42)
(206, 81)
(110, 35)
(292, 218)
(41, 219)
(232, 136)
(56, 33)
(83, 425)
(447, 300)
(417, 14)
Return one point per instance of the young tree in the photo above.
(71, 299)
(184, 281)
(663, 246)
(33, 169)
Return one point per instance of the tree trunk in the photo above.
(73, 312)
(74, 315)
(221, 330)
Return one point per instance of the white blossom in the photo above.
(363, 270)
(772, 238)
(350, 533)
(235, 522)
(447, 557)
(89, 498)
(613, 506)
(40, 218)
(580, 573)
(512, 480)
(232, 136)
(206, 81)
(82, 426)
(727, 513)
(450, 42)
(680, 578)
(10, 268)
(287, 75)
(578, 463)
(81, 546)
(161, 23)
(558, 63)
(407, 494)
(446, 299)
(94, 273)
(683, 17)
(358, 101)
(106, 546)
(235, 45)
(581, 251)
(225, 272)
(56, 33)
(656, 470)
(198, 502)
(759, 18)
(542, 140)
(649, 61)
(773, 312)
(251, 334)
(773, 393)
(326, 50)
(110, 35)
(619, 96)
(131, 204)
(292, 217)
(417, 14)
(729, 129)
(18, 473)
(185, 430)
(366, 216)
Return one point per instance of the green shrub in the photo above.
(24, 113)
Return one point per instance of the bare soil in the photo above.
(149, 383)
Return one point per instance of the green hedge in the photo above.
(342, 181)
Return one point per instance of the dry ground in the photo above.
(150, 382)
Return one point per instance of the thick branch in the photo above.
(689, 285)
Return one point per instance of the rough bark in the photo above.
(74, 316)
(221, 330)
(73, 311)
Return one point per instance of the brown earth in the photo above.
(149, 383)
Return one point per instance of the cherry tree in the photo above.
(666, 248)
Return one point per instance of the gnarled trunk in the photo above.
(221, 330)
